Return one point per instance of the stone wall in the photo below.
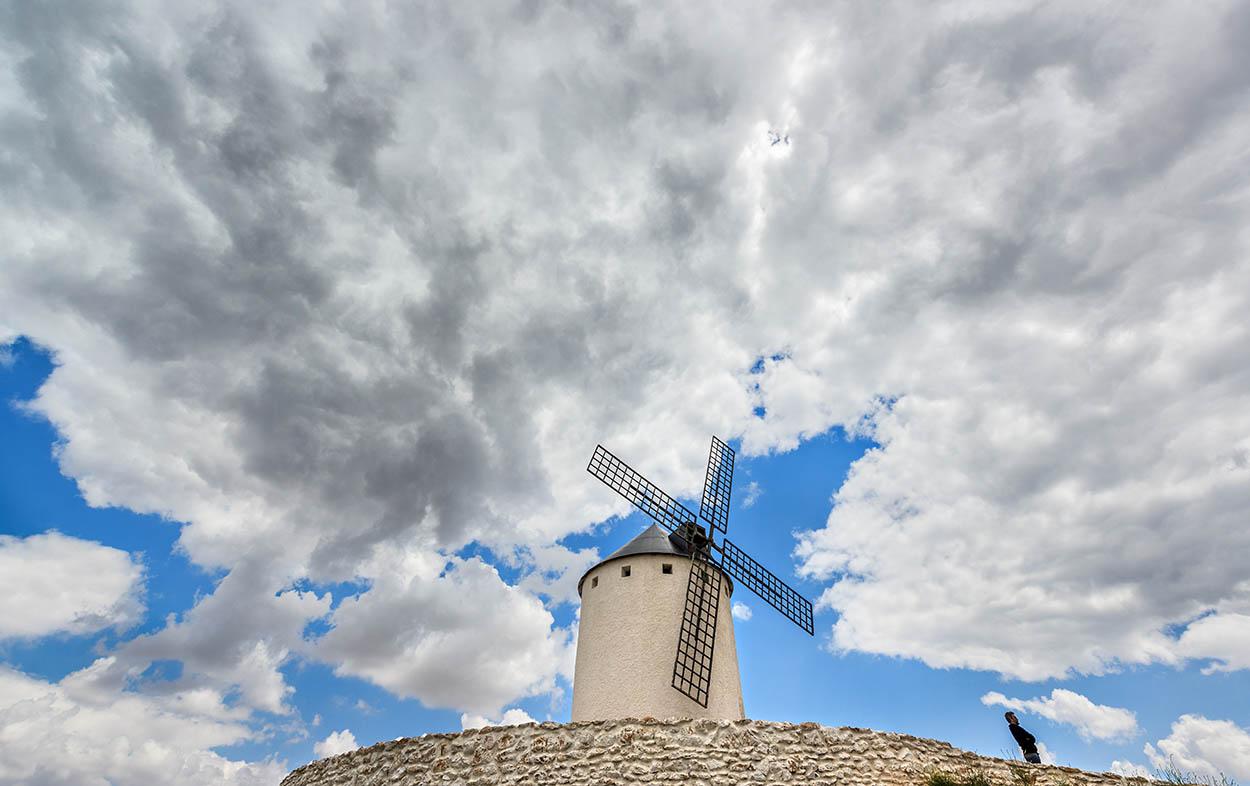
(700, 752)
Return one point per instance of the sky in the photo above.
(311, 315)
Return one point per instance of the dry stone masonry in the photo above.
(697, 752)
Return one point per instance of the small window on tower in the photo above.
(594, 582)
(625, 571)
(666, 568)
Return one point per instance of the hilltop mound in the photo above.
(706, 752)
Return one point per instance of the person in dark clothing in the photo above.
(1027, 742)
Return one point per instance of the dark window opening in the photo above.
(625, 571)
(594, 582)
(666, 568)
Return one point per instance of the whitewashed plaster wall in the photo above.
(627, 640)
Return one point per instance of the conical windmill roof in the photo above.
(651, 540)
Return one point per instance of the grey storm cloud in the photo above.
(345, 290)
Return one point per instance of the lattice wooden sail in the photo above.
(717, 486)
(696, 643)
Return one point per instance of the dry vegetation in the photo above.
(1023, 775)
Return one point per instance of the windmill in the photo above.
(710, 560)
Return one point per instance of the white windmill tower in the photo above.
(636, 605)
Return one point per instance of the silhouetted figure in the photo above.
(1027, 742)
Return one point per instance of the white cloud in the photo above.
(1091, 721)
(751, 494)
(1203, 746)
(741, 611)
(333, 300)
(556, 571)
(85, 732)
(512, 717)
(337, 742)
(1222, 635)
(1130, 770)
(52, 583)
(238, 637)
(450, 633)
(1045, 754)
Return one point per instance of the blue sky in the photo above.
(312, 314)
(786, 675)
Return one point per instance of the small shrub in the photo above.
(969, 777)
(941, 779)
(1175, 775)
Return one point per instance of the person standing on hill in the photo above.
(1027, 742)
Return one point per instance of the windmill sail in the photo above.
(624, 480)
(717, 485)
(696, 643)
(739, 565)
